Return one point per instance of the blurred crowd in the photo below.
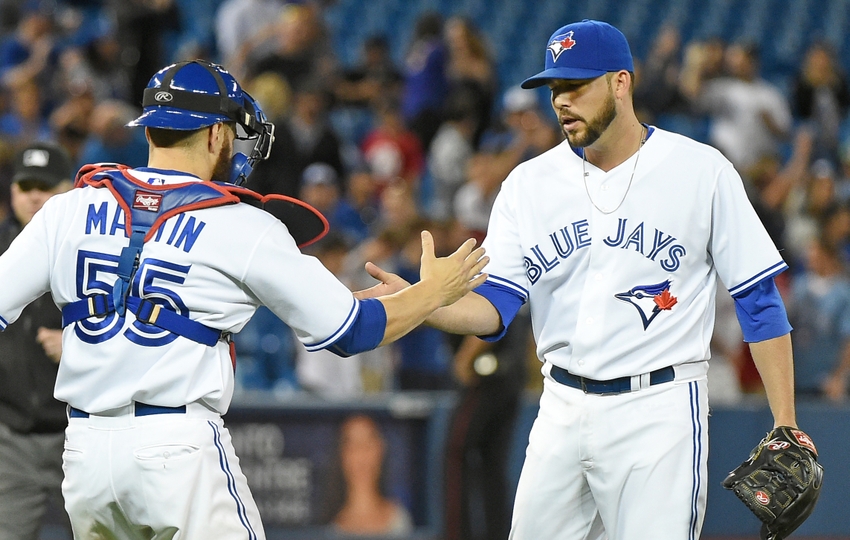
(387, 147)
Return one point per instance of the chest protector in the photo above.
(146, 208)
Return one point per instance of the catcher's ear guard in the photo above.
(780, 482)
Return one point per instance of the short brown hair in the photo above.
(174, 138)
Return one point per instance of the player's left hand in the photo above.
(51, 340)
(389, 283)
(780, 482)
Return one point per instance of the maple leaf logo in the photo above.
(561, 44)
(665, 300)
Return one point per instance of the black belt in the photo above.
(612, 386)
(140, 409)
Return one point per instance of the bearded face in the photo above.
(221, 171)
(596, 126)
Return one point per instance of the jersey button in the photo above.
(598, 277)
(581, 362)
(604, 187)
(590, 320)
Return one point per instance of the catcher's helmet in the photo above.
(197, 94)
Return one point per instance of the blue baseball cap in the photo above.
(583, 50)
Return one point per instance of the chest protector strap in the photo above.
(146, 207)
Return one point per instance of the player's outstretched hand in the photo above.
(389, 283)
(455, 275)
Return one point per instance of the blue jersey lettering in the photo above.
(96, 218)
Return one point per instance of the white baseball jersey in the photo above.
(621, 271)
(214, 265)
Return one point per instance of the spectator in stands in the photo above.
(302, 138)
(376, 75)
(820, 313)
(363, 195)
(238, 22)
(366, 510)
(524, 131)
(69, 123)
(390, 149)
(657, 89)
(470, 71)
(821, 97)
(142, 29)
(703, 62)
(770, 184)
(320, 189)
(297, 50)
(195, 37)
(111, 141)
(94, 64)
(450, 151)
(473, 202)
(24, 122)
(750, 117)
(835, 230)
(425, 82)
(30, 53)
(810, 205)
(274, 93)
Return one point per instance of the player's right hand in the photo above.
(455, 275)
(389, 283)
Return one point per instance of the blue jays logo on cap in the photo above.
(649, 300)
(595, 48)
(560, 44)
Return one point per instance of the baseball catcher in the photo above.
(780, 482)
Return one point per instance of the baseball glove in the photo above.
(780, 482)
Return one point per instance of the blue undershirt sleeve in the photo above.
(365, 333)
(761, 312)
(506, 301)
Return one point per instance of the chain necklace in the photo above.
(644, 132)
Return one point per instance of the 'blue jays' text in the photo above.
(180, 231)
(652, 243)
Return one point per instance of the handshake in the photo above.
(443, 281)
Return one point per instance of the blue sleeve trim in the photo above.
(346, 325)
(3, 324)
(523, 292)
(777, 268)
(506, 301)
(365, 333)
(761, 312)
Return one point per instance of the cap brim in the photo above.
(42, 177)
(560, 73)
(172, 118)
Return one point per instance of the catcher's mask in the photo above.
(197, 94)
